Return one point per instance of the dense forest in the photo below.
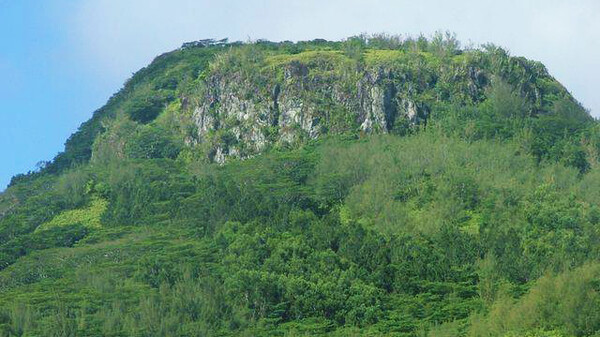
(376, 186)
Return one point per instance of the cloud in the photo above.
(115, 37)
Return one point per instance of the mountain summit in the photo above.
(373, 186)
(237, 100)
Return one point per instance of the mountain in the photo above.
(378, 186)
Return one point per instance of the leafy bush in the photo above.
(152, 143)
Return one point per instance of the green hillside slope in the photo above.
(376, 186)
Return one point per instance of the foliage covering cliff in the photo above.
(374, 186)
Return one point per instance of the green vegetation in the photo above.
(90, 216)
(482, 218)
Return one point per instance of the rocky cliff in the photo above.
(249, 100)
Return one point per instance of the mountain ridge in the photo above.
(464, 63)
(378, 186)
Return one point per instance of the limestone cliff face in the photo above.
(242, 111)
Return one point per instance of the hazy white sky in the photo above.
(117, 37)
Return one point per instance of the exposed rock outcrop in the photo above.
(245, 111)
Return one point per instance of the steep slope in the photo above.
(238, 100)
(374, 186)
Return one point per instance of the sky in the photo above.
(60, 60)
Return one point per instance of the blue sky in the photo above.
(61, 59)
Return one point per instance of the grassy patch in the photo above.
(88, 216)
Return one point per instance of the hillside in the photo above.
(375, 186)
